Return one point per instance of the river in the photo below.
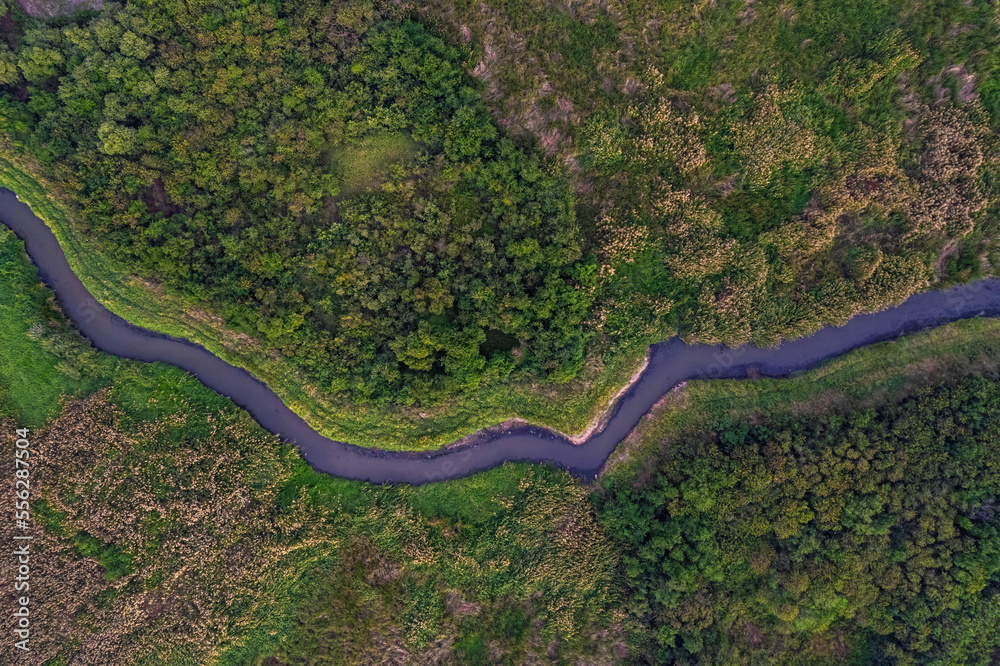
(670, 363)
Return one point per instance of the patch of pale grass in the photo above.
(363, 166)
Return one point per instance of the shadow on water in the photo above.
(670, 363)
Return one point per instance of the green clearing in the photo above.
(364, 165)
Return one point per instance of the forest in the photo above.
(871, 537)
(408, 203)
(444, 232)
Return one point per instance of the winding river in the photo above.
(670, 363)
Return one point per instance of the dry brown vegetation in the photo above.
(775, 134)
(948, 192)
(210, 541)
(52, 8)
(179, 540)
(780, 185)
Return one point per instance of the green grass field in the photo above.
(35, 379)
(363, 166)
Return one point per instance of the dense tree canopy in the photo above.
(875, 534)
(331, 183)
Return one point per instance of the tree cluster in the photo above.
(208, 143)
(875, 533)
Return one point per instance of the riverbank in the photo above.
(576, 410)
(523, 535)
(669, 364)
(571, 408)
(871, 376)
(597, 423)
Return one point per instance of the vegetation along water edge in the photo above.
(872, 494)
(417, 220)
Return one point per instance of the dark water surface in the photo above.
(670, 363)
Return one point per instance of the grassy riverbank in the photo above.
(884, 372)
(567, 407)
(41, 359)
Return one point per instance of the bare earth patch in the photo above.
(966, 81)
(52, 8)
(949, 249)
(822, 403)
(676, 398)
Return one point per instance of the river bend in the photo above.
(670, 363)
